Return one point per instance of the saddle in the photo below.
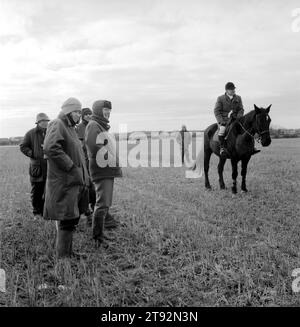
(227, 130)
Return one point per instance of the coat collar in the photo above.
(65, 119)
(39, 129)
(234, 99)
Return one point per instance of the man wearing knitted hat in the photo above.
(32, 147)
(86, 115)
(66, 187)
(102, 177)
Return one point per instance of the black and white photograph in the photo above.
(149, 156)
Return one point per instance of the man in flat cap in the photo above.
(97, 138)
(66, 187)
(86, 115)
(226, 103)
(32, 147)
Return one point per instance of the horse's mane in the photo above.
(249, 116)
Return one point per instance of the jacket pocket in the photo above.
(35, 169)
(75, 177)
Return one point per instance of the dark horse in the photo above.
(240, 143)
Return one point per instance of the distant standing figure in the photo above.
(32, 147)
(86, 115)
(184, 139)
(66, 187)
(102, 177)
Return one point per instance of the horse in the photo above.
(240, 144)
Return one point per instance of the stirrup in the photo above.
(223, 151)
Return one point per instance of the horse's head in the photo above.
(262, 124)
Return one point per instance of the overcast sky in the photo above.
(161, 63)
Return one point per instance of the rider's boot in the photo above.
(223, 151)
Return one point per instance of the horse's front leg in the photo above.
(220, 171)
(234, 165)
(244, 173)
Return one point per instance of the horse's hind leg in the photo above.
(220, 172)
(244, 173)
(234, 165)
(207, 155)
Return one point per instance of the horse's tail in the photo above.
(195, 169)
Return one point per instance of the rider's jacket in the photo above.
(225, 105)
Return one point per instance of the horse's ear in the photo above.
(257, 110)
(268, 109)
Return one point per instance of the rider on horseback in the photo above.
(226, 103)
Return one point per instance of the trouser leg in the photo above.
(92, 201)
(65, 230)
(98, 224)
(108, 186)
(92, 195)
(104, 193)
(110, 222)
(37, 197)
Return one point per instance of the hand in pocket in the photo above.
(75, 176)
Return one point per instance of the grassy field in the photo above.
(180, 244)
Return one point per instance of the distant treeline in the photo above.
(11, 140)
(276, 133)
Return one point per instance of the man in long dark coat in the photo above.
(66, 187)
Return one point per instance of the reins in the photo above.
(246, 130)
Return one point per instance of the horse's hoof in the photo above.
(244, 190)
(234, 190)
(222, 187)
(208, 187)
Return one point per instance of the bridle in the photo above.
(253, 136)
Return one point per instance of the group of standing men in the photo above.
(65, 177)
